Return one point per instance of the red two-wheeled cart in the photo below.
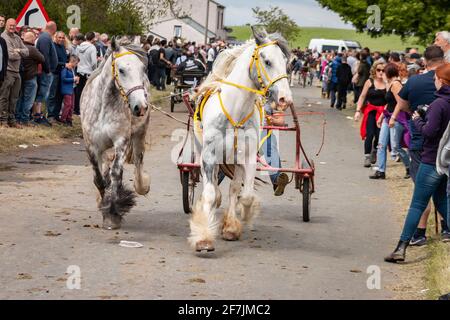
(303, 172)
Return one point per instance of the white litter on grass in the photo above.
(424, 290)
(324, 163)
(76, 143)
(319, 103)
(23, 146)
(349, 118)
(130, 244)
(309, 105)
(35, 145)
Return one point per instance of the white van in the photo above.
(333, 45)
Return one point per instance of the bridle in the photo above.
(260, 71)
(262, 91)
(125, 94)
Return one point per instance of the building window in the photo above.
(177, 31)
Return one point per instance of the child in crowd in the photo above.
(68, 83)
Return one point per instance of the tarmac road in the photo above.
(48, 222)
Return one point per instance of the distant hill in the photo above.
(383, 43)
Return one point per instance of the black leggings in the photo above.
(373, 132)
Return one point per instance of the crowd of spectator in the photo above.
(43, 73)
(403, 100)
(165, 57)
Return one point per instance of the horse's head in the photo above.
(272, 53)
(129, 73)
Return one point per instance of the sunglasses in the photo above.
(380, 70)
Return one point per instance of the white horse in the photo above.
(114, 114)
(231, 130)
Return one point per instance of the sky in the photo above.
(307, 13)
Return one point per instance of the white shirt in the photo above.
(447, 56)
(211, 55)
(351, 62)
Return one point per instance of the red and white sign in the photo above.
(33, 15)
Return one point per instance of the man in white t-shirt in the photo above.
(211, 56)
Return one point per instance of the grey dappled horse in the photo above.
(114, 114)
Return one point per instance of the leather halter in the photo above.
(125, 94)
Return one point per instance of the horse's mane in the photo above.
(226, 62)
(223, 66)
(125, 43)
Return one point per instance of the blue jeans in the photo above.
(396, 144)
(271, 154)
(429, 184)
(45, 82)
(394, 136)
(333, 93)
(26, 100)
(55, 98)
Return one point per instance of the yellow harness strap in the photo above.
(262, 92)
(116, 76)
(239, 86)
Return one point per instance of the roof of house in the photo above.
(157, 35)
(197, 26)
(218, 4)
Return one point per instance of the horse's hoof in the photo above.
(230, 236)
(205, 245)
(144, 188)
(110, 224)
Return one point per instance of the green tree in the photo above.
(419, 18)
(110, 16)
(275, 20)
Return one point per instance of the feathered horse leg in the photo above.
(203, 223)
(117, 200)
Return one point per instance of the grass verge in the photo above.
(11, 139)
(438, 269)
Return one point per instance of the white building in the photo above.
(191, 25)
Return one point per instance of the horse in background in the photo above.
(115, 114)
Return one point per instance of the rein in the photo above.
(125, 94)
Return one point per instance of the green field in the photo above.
(383, 43)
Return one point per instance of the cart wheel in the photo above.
(172, 104)
(306, 199)
(188, 191)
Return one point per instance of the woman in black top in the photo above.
(396, 134)
(371, 103)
